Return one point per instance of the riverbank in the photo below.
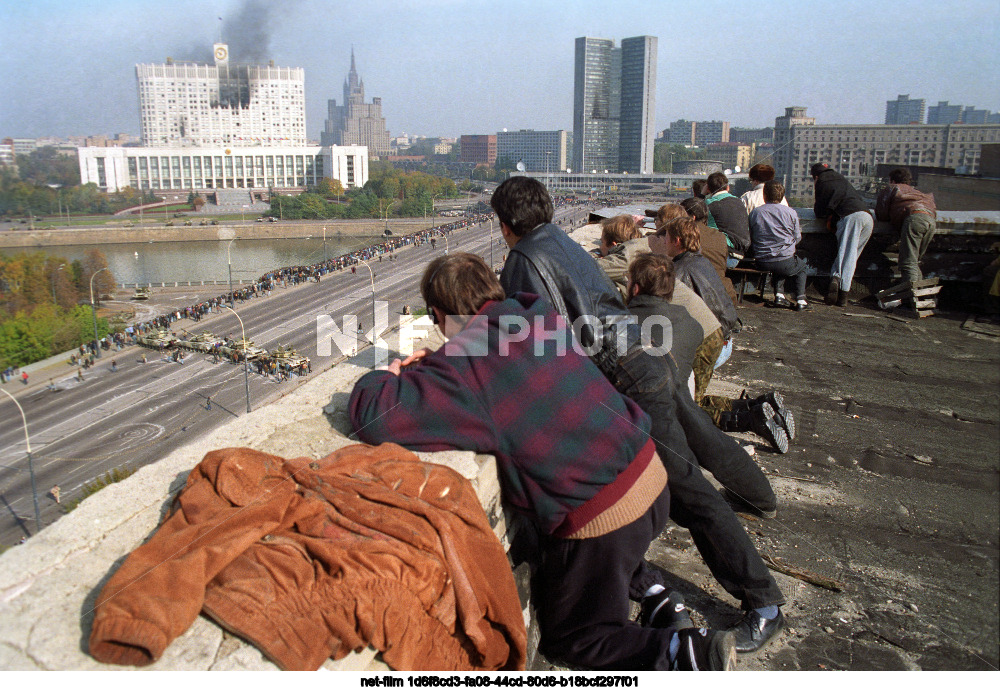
(224, 231)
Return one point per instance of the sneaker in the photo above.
(741, 505)
(833, 290)
(801, 305)
(765, 424)
(705, 650)
(781, 301)
(753, 631)
(663, 610)
(783, 414)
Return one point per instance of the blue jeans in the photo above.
(853, 232)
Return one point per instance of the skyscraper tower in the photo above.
(356, 123)
(638, 104)
(614, 104)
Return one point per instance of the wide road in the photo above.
(140, 413)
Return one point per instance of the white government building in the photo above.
(221, 126)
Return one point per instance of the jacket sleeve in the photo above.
(884, 203)
(425, 408)
(822, 196)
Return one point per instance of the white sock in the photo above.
(654, 589)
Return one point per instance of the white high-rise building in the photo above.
(222, 104)
(219, 127)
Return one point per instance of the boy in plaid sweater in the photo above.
(574, 457)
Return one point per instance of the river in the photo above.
(205, 260)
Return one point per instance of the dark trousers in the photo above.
(582, 589)
(684, 435)
(793, 268)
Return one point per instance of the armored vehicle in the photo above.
(157, 339)
(286, 355)
(201, 343)
(142, 293)
(241, 348)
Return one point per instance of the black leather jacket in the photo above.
(537, 264)
(547, 262)
(699, 274)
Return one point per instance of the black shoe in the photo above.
(801, 305)
(741, 505)
(784, 415)
(782, 301)
(705, 650)
(842, 298)
(833, 290)
(663, 610)
(753, 631)
(766, 424)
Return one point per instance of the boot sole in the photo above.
(722, 652)
(783, 414)
(771, 429)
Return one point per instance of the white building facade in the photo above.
(222, 104)
(206, 168)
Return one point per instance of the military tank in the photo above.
(286, 355)
(142, 293)
(160, 339)
(237, 350)
(201, 343)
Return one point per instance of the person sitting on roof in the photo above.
(574, 456)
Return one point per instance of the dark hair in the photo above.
(774, 192)
(699, 188)
(668, 212)
(818, 168)
(684, 229)
(459, 284)
(900, 176)
(620, 228)
(761, 172)
(717, 181)
(696, 208)
(654, 274)
(522, 203)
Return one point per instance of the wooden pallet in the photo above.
(922, 293)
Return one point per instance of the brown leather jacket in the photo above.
(896, 202)
(311, 559)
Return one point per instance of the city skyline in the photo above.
(452, 67)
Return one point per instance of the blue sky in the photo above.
(452, 67)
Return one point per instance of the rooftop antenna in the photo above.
(220, 30)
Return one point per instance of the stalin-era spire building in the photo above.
(356, 123)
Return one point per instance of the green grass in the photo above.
(97, 484)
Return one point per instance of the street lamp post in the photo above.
(31, 466)
(229, 261)
(93, 310)
(445, 239)
(324, 245)
(54, 273)
(246, 360)
(372, 274)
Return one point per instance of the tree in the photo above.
(93, 261)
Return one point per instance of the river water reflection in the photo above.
(206, 260)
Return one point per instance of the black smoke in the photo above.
(248, 32)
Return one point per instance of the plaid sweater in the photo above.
(572, 453)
